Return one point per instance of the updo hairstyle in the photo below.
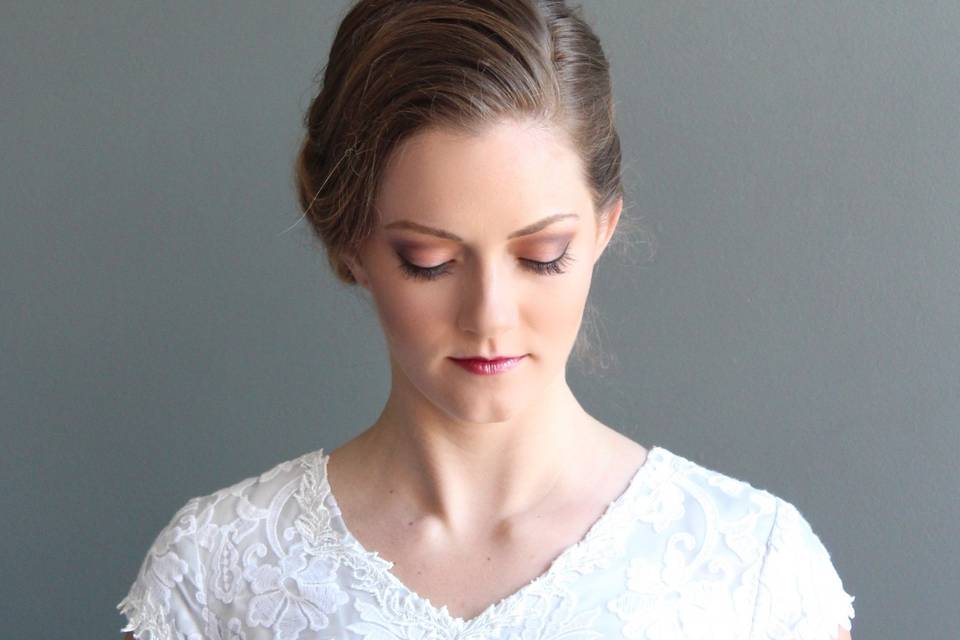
(398, 66)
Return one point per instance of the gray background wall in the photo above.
(164, 334)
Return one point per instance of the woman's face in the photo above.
(453, 266)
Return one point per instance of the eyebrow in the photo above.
(440, 233)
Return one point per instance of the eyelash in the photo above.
(432, 273)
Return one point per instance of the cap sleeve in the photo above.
(799, 595)
(166, 600)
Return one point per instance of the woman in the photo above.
(461, 164)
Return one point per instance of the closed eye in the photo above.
(551, 267)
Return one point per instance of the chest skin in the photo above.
(468, 574)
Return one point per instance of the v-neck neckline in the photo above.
(655, 455)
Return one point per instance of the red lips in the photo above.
(483, 366)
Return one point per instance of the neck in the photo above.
(463, 474)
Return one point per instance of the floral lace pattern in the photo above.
(684, 553)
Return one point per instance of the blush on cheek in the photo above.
(408, 314)
(560, 315)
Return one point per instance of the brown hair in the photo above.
(398, 66)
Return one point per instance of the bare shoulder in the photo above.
(631, 452)
(614, 461)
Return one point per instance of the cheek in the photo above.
(557, 314)
(410, 315)
(417, 317)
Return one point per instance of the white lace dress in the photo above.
(683, 553)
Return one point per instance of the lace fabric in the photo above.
(684, 552)
(573, 558)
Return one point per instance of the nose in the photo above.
(488, 301)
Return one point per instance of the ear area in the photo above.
(607, 226)
(356, 269)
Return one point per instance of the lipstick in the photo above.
(483, 367)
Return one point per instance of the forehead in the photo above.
(513, 171)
